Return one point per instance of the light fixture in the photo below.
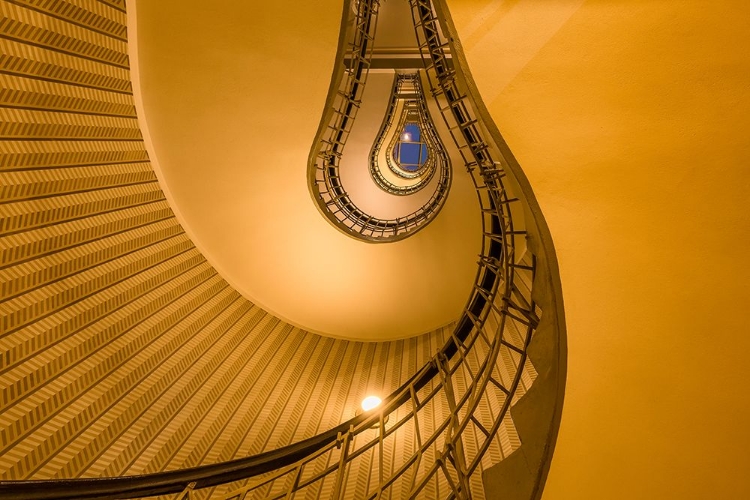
(371, 402)
(406, 137)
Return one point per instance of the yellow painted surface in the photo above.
(631, 121)
(233, 94)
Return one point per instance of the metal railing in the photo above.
(437, 160)
(471, 382)
(450, 420)
(324, 174)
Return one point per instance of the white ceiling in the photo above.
(233, 93)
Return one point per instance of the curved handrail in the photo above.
(421, 109)
(478, 373)
(437, 161)
(324, 181)
(203, 476)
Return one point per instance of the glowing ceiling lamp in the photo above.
(371, 402)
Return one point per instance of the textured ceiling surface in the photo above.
(123, 350)
(630, 118)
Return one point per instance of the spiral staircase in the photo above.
(130, 368)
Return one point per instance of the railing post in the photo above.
(185, 495)
(338, 490)
(295, 483)
(454, 443)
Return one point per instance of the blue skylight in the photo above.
(410, 153)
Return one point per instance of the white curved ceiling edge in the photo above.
(425, 299)
(135, 79)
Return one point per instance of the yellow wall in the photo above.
(631, 120)
(122, 351)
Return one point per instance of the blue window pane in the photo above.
(412, 129)
(410, 153)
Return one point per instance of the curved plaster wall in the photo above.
(630, 119)
(233, 94)
(123, 350)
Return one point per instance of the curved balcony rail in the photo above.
(437, 160)
(457, 406)
(415, 112)
(344, 101)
